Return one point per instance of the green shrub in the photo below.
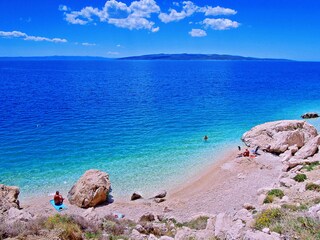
(199, 223)
(69, 229)
(268, 199)
(294, 208)
(313, 187)
(92, 235)
(311, 166)
(300, 177)
(276, 192)
(267, 217)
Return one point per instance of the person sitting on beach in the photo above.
(58, 199)
(246, 153)
(205, 138)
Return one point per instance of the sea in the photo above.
(142, 122)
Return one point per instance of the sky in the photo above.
(111, 28)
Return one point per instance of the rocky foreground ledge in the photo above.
(287, 208)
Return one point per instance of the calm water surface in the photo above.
(141, 121)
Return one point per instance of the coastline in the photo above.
(222, 187)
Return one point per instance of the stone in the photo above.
(15, 214)
(287, 182)
(8, 197)
(277, 137)
(261, 198)
(152, 237)
(140, 229)
(248, 206)
(210, 224)
(90, 190)
(257, 235)
(135, 196)
(245, 216)
(314, 211)
(184, 233)
(266, 230)
(147, 217)
(223, 225)
(161, 194)
(284, 199)
(166, 238)
(309, 149)
(159, 200)
(309, 115)
(135, 235)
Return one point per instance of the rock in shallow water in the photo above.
(90, 190)
(310, 115)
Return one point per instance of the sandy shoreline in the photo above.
(226, 185)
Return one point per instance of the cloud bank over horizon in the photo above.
(147, 14)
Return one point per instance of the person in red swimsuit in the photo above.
(58, 199)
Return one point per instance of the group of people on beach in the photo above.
(246, 153)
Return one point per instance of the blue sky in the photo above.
(262, 28)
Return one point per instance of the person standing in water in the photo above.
(205, 138)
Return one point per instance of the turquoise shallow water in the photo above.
(141, 121)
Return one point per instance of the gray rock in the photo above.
(147, 217)
(277, 137)
(90, 190)
(161, 194)
(8, 197)
(135, 196)
(309, 115)
(257, 235)
(248, 206)
(287, 182)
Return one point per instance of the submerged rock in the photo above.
(310, 115)
(8, 197)
(277, 137)
(90, 190)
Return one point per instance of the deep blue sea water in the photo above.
(140, 121)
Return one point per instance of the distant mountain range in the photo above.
(186, 56)
(161, 56)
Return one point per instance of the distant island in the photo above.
(187, 56)
(161, 56)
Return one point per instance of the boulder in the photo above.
(135, 196)
(257, 235)
(314, 212)
(90, 190)
(147, 217)
(309, 149)
(277, 137)
(17, 215)
(310, 115)
(161, 194)
(8, 197)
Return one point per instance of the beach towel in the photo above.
(59, 208)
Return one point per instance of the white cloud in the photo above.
(118, 45)
(88, 44)
(24, 36)
(113, 53)
(134, 16)
(156, 29)
(197, 33)
(188, 9)
(215, 11)
(13, 34)
(63, 8)
(220, 23)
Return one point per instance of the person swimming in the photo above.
(205, 138)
